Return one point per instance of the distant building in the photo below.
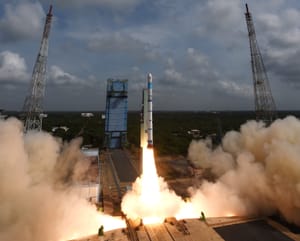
(116, 114)
(87, 114)
(194, 132)
(55, 128)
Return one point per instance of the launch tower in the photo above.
(116, 114)
(265, 108)
(32, 109)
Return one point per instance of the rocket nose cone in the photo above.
(149, 76)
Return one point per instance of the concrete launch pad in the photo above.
(213, 229)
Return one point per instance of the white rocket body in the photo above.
(144, 120)
(149, 119)
(146, 116)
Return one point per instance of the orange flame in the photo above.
(150, 185)
(152, 201)
(108, 222)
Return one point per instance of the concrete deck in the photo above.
(214, 229)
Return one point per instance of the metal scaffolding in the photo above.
(32, 108)
(264, 103)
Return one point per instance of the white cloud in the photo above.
(269, 21)
(122, 43)
(195, 74)
(59, 77)
(172, 76)
(156, 34)
(21, 21)
(191, 47)
(137, 80)
(237, 89)
(224, 13)
(115, 42)
(280, 29)
(190, 71)
(13, 68)
(279, 33)
(198, 68)
(195, 59)
(218, 16)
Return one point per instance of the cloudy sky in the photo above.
(196, 50)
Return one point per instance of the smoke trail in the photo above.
(257, 171)
(36, 200)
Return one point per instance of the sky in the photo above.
(197, 51)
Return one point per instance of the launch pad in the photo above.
(213, 229)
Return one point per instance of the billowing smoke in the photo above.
(36, 198)
(256, 171)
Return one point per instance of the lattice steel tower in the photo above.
(264, 103)
(32, 109)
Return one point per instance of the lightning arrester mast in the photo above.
(265, 107)
(32, 108)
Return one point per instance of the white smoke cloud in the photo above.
(36, 201)
(257, 171)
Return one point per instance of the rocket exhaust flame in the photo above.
(150, 198)
(152, 201)
(150, 184)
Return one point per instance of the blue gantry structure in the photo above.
(116, 113)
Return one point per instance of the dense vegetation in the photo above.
(171, 129)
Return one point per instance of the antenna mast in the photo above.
(265, 107)
(32, 107)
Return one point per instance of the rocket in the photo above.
(143, 120)
(146, 116)
(150, 122)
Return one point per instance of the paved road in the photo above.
(124, 168)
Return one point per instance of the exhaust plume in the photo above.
(256, 170)
(37, 201)
(150, 198)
